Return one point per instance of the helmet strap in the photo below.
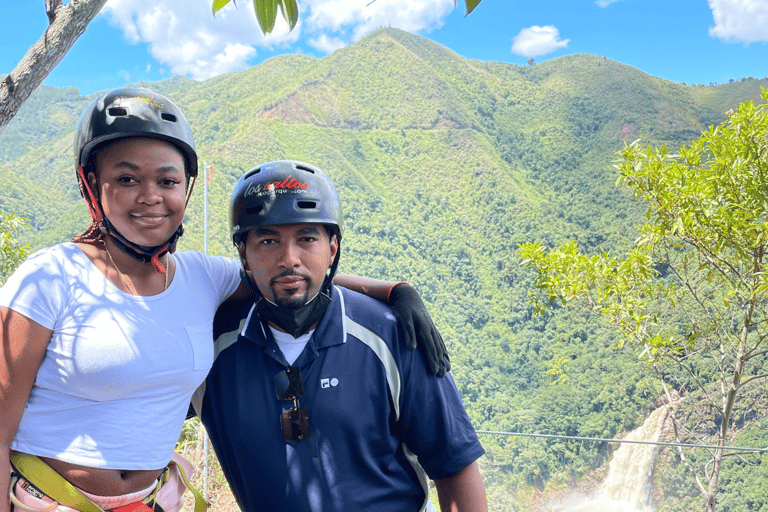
(94, 206)
(328, 281)
(189, 193)
(142, 253)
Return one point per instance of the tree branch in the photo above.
(67, 24)
(673, 416)
(50, 9)
(754, 377)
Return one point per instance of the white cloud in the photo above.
(605, 3)
(360, 17)
(740, 20)
(535, 41)
(327, 44)
(189, 40)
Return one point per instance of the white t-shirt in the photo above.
(115, 384)
(291, 347)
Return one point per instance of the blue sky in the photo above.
(692, 41)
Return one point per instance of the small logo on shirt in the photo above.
(329, 383)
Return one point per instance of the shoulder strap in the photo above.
(42, 476)
(200, 504)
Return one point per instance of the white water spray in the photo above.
(627, 486)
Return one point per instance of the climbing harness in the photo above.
(45, 479)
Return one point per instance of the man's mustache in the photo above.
(287, 273)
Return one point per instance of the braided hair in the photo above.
(93, 234)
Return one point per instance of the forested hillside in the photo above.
(444, 165)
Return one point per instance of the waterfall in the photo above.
(627, 486)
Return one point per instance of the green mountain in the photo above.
(444, 165)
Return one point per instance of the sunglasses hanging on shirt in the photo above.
(294, 422)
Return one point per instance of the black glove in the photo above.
(418, 327)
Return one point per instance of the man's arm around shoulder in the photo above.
(462, 492)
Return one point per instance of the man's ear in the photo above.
(241, 251)
(244, 261)
(334, 243)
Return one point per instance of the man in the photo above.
(313, 402)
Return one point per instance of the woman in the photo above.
(105, 338)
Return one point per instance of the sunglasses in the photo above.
(294, 422)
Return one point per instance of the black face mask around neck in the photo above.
(294, 321)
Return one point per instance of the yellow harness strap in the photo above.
(42, 476)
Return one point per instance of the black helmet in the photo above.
(133, 113)
(283, 192)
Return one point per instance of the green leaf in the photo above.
(290, 12)
(266, 13)
(218, 5)
(471, 4)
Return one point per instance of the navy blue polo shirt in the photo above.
(381, 425)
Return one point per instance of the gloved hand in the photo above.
(418, 327)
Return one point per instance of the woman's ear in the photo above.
(93, 182)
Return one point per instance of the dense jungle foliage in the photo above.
(444, 166)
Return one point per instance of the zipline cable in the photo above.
(601, 439)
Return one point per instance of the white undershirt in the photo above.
(290, 347)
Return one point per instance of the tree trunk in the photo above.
(713, 482)
(729, 397)
(67, 23)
